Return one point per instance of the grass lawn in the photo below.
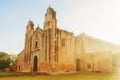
(92, 76)
(12, 73)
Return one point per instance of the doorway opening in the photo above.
(35, 64)
(77, 64)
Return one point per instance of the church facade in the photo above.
(55, 50)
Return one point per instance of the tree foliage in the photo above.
(4, 60)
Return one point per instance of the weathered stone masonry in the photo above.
(54, 50)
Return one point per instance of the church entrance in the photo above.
(35, 64)
(77, 64)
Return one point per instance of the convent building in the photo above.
(55, 50)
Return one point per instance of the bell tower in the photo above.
(29, 28)
(50, 19)
(50, 28)
(27, 45)
(29, 32)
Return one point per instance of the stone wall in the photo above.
(66, 55)
(94, 55)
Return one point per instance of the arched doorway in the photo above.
(35, 64)
(77, 64)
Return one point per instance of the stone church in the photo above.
(55, 50)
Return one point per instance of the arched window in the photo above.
(36, 44)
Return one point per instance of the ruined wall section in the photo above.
(92, 54)
(95, 54)
(66, 51)
(79, 53)
(20, 62)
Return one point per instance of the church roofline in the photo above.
(38, 28)
(96, 38)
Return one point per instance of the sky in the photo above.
(98, 18)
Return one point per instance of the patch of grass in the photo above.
(67, 77)
(12, 73)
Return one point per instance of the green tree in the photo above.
(4, 60)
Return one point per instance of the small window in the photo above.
(36, 44)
